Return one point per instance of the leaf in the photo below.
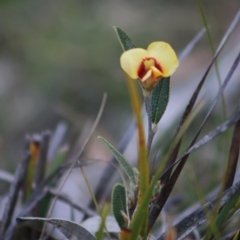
(214, 133)
(124, 40)
(160, 98)
(119, 204)
(127, 167)
(224, 214)
(233, 158)
(198, 217)
(69, 229)
(103, 185)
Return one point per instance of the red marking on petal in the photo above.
(142, 70)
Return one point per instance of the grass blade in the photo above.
(190, 148)
(192, 101)
(233, 158)
(191, 222)
(208, 137)
(224, 215)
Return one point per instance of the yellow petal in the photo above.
(131, 59)
(165, 56)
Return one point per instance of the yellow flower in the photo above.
(149, 66)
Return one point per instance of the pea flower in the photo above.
(149, 66)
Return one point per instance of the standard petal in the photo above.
(165, 56)
(131, 59)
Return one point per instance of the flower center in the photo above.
(149, 67)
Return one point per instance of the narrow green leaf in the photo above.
(127, 167)
(160, 98)
(119, 204)
(124, 40)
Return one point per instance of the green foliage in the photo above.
(127, 167)
(119, 205)
(124, 40)
(160, 96)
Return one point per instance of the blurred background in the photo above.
(58, 57)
